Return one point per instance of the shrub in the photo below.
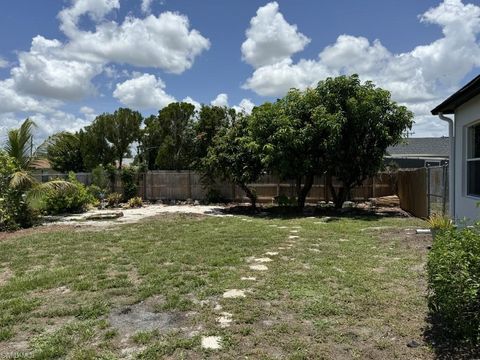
(15, 212)
(96, 192)
(135, 202)
(113, 199)
(454, 282)
(129, 182)
(101, 178)
(438, 222)
(72, 200)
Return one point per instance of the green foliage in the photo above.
(15, 211)
(94, 146)
(101, 178)
(236, 157)
(454, 282)
(64, 152)
(71, 200)
(368, 122)
(129, 182)
(113, 199)
(167, 140)
(96, 192)
(135, 202)
(295, 134)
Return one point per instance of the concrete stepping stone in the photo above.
(225, 319)
(212, 342)
(314, 250)
(262, 260)
(259, 267)
(234, 294)
(294, 237)
(271, 253)
(294, 231)
(283, 227)
(248, 278)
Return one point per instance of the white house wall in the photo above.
(465, 115)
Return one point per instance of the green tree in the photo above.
(295, 134)
(64, 152)
(236, 157)
(368, 122)
(95, 148)
(167, 140)
(122, 128)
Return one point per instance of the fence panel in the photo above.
(412, 191)
(437, 190)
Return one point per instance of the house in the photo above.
(419, 152)
(464, 133)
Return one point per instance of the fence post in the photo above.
(428, 191)
(189, 185)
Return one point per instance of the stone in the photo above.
(246, 278)
(262, 260)
(234, 294)
(271, 253)
(105, 216)
(294, 237)
(211, 342)
(294, 231)
(225, 319)
(259, 267)
(413, 344)
(423, 231)
(196, 203)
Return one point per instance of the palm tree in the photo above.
(19, 146)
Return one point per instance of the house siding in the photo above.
(465, 115)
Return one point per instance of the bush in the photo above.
(454, 282)
(96, 192)
(101, 178)
(15, 212)
(113, 199)
(129, 182)
(135, 202)
(72, 200)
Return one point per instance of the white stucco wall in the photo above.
(465, 115)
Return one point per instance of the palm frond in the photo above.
(41, 190)
(19, 144)
(22, 180)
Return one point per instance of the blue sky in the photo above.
(63, 62)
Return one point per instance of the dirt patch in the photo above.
(142, 317)
(5, 276)
(34, 231)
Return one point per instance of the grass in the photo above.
(352, 288)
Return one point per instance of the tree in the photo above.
(64, 152)
(168, 137)
(368, 122)
(122, 128)
(295, 134)
(236, 157)
(95, 148)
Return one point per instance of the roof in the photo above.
(463, 95)
(421, 147)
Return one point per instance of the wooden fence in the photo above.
(412, 191)
(183, 185)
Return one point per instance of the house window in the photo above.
(473, 160)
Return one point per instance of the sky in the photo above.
(64, 62)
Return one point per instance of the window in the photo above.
(473, 160)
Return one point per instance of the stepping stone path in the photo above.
(211, 342)
(225, 319)
(248, 278)
(271, 253)
(262, 260)
(234, 294)
(259, 267)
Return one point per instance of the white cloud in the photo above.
(47, 71)
(246, 106)
(143, 92)
(146, 6)
(271, 38)
(419, 78)
(165, 42)
(221, 100)
(3, 63)
(189, 100)
(12, 101)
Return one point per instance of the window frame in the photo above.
(468, 159)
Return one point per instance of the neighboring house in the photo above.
(419, 152)
(465, 136)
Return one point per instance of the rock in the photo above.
(259, 267)
(189, 202)
(211, 342)
(413, 344)
(105, 216)
(234, 294)
(196, 203)
(423, 231)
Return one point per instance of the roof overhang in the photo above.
(463, 95)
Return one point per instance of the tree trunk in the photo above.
(303, 192)
(250, 194)
(120, 162)
(331, 188)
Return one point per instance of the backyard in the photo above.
(179, 286)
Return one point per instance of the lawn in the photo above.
(344, 289)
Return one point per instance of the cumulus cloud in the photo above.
(221, 100)
(143, 92)
(189, 100)
(3, 63)
(270, 38)
(419, 78)
(246, 106)
(12, 101)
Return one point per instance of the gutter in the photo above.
(451, 164)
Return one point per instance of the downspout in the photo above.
(451, 164)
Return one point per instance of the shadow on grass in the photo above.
(327, 214)
(444, 346)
